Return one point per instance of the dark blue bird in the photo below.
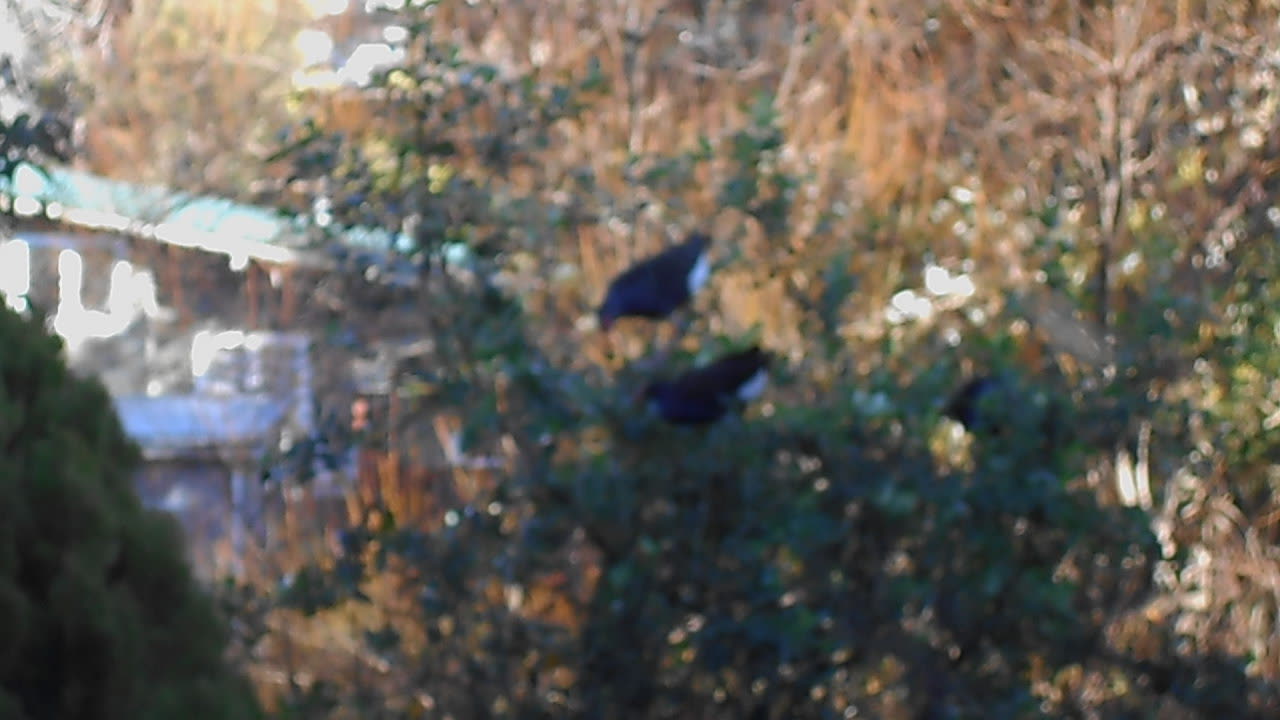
(703, 395)
(658, 285)
(976, 405)
(1005, 409)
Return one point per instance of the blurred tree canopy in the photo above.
(102, 617)
(96, 80)
(35, 122)
(233, 63)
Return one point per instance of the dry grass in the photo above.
(188, 95)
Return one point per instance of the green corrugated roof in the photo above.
(236, 226)
(85, 191)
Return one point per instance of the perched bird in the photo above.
(976, 405)
(1001, 407)
(703, 395)
(658, 285)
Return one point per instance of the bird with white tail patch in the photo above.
(703, 395)
(657, 286)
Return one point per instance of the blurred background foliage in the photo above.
(1077, 197)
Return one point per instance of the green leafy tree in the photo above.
(102, 618)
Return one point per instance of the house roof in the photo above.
(213, 224)
(209, 223)
(173, 425)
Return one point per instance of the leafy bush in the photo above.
(101, 616)
(801, 563)
(835, 552)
